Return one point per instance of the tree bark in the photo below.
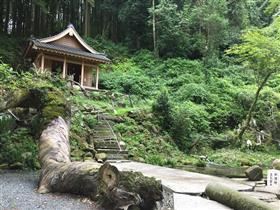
(156, 53)
(92, 179)
(234, 199)
(252, 108)
(1, 15)
(7, 16)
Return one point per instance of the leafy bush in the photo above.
(162, 110)
(19, 148)
(113, 51)
(10, 50)
(126, 77)
(194, 92)
(189, 119)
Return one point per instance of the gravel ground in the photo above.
(18, 192)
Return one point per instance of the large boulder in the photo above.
(254, 173)
(276, 164)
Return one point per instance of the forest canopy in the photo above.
(194, 29)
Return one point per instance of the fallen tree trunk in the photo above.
(234, 199)
(102, 183)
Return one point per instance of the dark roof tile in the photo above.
(71, 51)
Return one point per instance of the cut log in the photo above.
(102, 183)
(59, 174)
(234, 199)
(254, 173)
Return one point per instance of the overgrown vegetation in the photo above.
(179, 97)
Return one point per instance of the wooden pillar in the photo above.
(97, 77)
(42, 63)
(64, 69)
(82, 73)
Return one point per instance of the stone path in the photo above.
(180, 181)
(185, 187)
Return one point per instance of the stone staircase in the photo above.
(106, 141)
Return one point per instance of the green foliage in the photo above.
(162, 110)
(194, 92)
(113, 51)
(11, 79)
(127, 78)
(260, 49)
(172, 30)
(189, 121)
(7, 123)
(260, 52)
(10, 51)
(19, 147)
(237, 157)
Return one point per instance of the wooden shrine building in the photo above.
(69, 55)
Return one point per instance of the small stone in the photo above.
(254, 173)
(122, 143)
(101, 157)
(276, 164)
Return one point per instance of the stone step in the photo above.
(117, 156)
(108, 146)
(99, 140)
(102, 130)
(101, 127)
(103, 134)
(111, 151)
(103, 138)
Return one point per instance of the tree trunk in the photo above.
(102, 183)
(252, 108)
(87, 18)
(154, 30)
(59, 174)
(1, 15)
(7, 16)
(235, 199)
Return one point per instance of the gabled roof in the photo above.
(64, 50)
(49, 45)
(69, 31)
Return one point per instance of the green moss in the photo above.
(149, 189)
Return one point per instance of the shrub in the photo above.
(19, 147)
(196, 93)
(189, 119)
(126, 77)
(162, 109)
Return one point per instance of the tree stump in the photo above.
(254, 173)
